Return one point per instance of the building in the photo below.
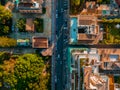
(30, 25)
(103, 10)
(91, 7)
(110, 61)
(29, 6)
(85, 30)
(94, 81)
(81, 57)
(39, 42)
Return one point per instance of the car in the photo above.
(58, 55)
(65, 27)
(12, 28)
(56, 15)
(55, 78)
(62, 10)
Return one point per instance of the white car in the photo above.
(65, 27)
(56, 15)
(58, 55)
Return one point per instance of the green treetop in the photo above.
(25, 73)
(5, 16)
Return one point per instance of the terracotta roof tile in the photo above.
(39, 42)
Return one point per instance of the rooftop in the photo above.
(103, 7)
(39, 42)
(30, 24)
(109, 51)
(87, 19)
(94, 81)
(48, 52)
(86, 37)
(30, 7)
(87, 72)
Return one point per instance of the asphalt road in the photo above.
(61, 44)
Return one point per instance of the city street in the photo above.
(59, 61)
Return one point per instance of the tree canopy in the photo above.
(76, 6)
(103, 1)
(7, 42)
(4, 56)
(39, 26)
(21, 25)
(75, 2)
(5, 20)
(25, 73)
(116, 20)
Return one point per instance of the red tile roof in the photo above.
(86, 19)
(39, 42)
(29, 24)
(87, 72)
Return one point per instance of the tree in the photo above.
(39, 25)
(5, 14)
(25, 73)
(76, 6)
(99, 1)
(21, 25)
(75, 2)
(103, 1)
(4, 56)
(6, 29)
(117, 79)
(3, 2)
(5, 17)
(116, 20)
(7, 42)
